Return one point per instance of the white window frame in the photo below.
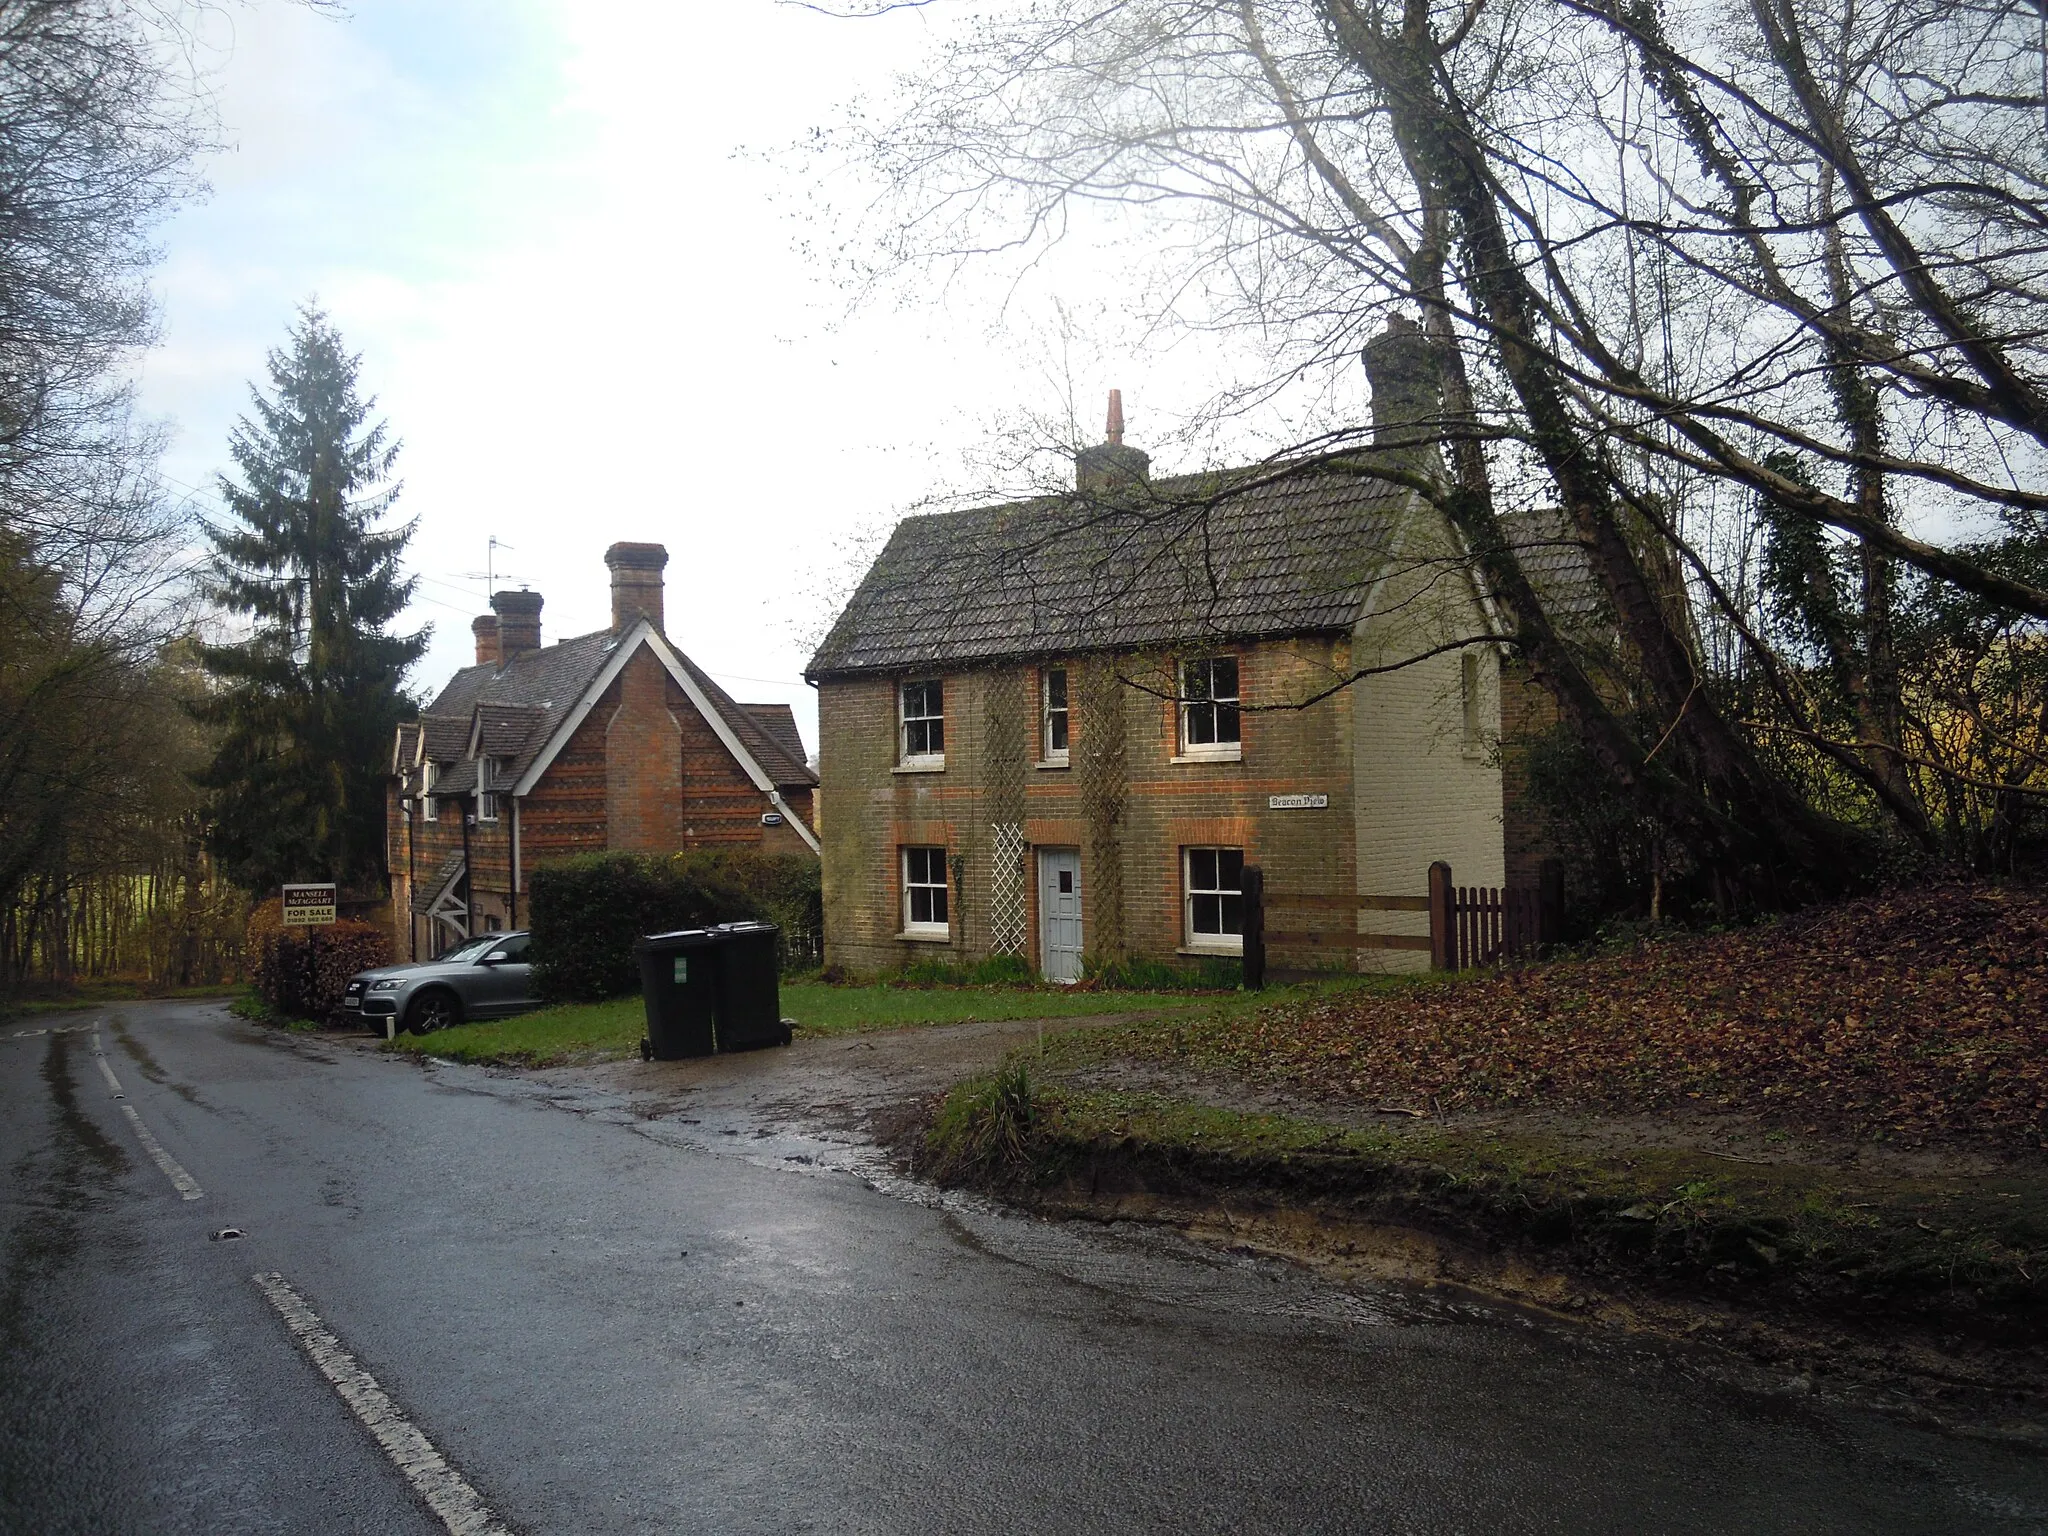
(905, 721)
(1193, 706)
(1210, 943)
(928, 855)
(1048, 715)
(486, 799)
(428, 811)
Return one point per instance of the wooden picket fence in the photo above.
(1470, 926)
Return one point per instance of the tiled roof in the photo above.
(1198, 557)
(428, 891)
(523, 704)
(1555, 560)
(505, 730)
(447, 736)
(778, 722)
(538, 688)
(784, 767)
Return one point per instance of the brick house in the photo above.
(1060, 728)
(611, 740)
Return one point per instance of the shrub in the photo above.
(586, 912)
(990, 971)
(984, 1125)
(300, 972)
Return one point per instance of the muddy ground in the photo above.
(862, 1102)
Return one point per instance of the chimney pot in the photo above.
(518, 623)
(485, 627)
(1111, 466)
(636, 584)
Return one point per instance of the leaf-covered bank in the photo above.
(1915, 1019)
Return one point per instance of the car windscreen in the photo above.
(473, 950)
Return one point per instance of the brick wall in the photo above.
(1121, 800)
(644, 772)
(643, 760)
(1527, 712)
(565, 813)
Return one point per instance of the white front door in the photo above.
(1059, 912)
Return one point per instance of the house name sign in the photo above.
(1297, 802)
(308, 906)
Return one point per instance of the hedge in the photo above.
(302, 971)
(586, 912)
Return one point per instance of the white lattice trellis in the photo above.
(1006, 889)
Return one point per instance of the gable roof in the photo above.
(520, 712)
(1193, 558)
(535, 690)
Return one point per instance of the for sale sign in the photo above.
(308, 906)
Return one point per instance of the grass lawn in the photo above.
(586, 1032)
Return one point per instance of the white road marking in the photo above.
(447, 1492)
(186, 1186)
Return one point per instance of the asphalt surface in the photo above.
(608, 1322)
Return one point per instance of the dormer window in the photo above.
(923, 731)
(427, 810)
(486, 799)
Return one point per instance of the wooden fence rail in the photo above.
(1469, 925)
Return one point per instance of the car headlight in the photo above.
(388, 984)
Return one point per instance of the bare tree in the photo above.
(99, 120)
(1756, 284)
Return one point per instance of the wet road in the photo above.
(609, 1324)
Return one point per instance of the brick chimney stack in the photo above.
(485, 627)
(636, 583)
(518, 622)
(1407, 398)
(1111, 466)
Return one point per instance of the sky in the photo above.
(567, 242)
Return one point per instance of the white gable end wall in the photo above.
(1423, 791)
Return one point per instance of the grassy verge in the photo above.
(1786, 1235)
(589, 1032)
(98, 994)
(1812, 1237)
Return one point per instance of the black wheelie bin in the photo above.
(749, 992)
(679, 982)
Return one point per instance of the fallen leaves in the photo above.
(1919, 1016)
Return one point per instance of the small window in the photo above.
(429, 811)
(1468, 690)
(486, 800)
(924, 720)
(1208, 711)
(1054, 742)
(924, 890)
(1214, 879)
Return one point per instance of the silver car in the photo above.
(484, 978)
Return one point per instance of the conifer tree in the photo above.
(308, 704)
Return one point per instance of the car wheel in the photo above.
(433, 1010)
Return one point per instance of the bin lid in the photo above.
(681, 938)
